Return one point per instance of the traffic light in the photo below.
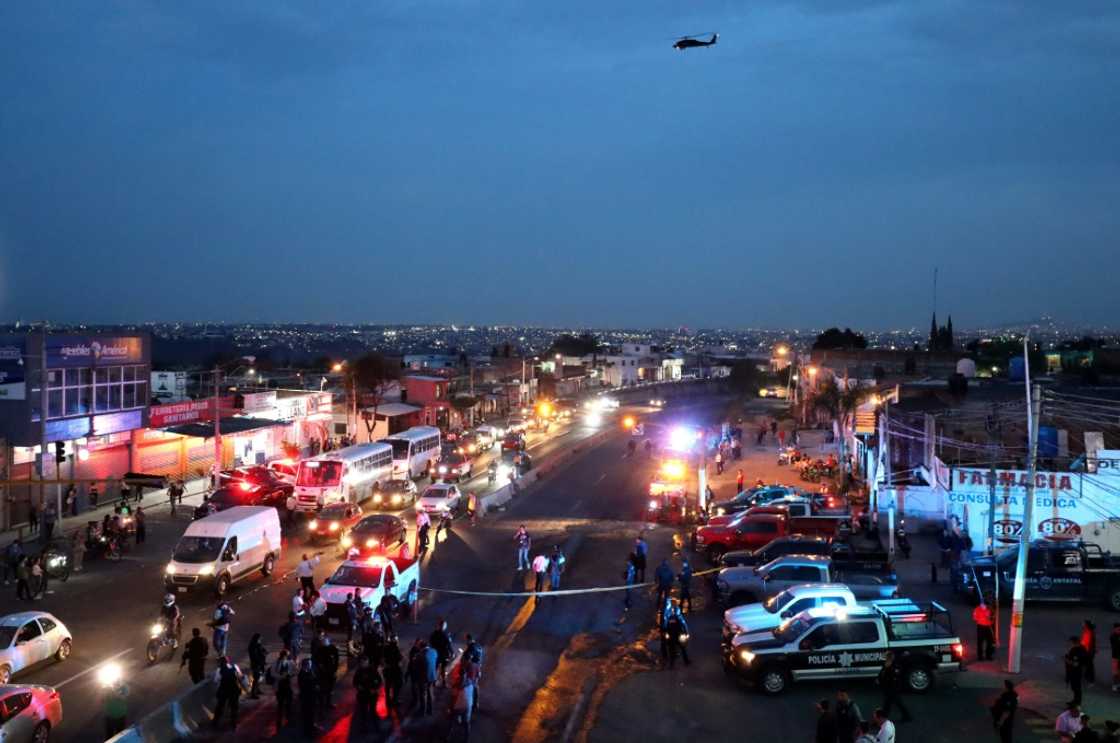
(60, 451)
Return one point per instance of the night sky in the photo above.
(559, 163)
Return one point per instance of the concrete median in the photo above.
(179, 719)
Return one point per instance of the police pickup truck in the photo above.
(1074, 572)
(736, 586)
(846, 643)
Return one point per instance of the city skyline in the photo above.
(432, 163)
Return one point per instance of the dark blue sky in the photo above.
(559, 163)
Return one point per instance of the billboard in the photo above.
(82, 350)
(191, 411)
(12, 371)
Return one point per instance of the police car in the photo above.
(848, 642)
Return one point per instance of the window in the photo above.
(806, 573)
(46, 624)
(823, 636)
(28, 631)
(801, 605)
(231, 549)
(13, 705)
(786, 572)
(859, 633)
(54, 404)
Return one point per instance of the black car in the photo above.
(394, 495)
(377, 534)
(748, 499)
(241, 494)
(261, 478)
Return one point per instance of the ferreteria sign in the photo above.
(1013, 480)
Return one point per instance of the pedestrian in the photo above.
(664, 578)
(739, 478)
(38, 578)
(384, 615)
(77, 549)
(194, 655)
(416, 673)
(440, 642)
(641, 551)
(1075, 659)
(306, 571)
(1089, 642)
(367, 684)
(1003, 711)
(318, 611)
(719, 462)
(391, 671)
(299, 604)
(229, 679)
(675, 633)
(1068, 723)
(629, 575)
(72, 500)
(93, 495)
(848, 717)
(781, 439)
(32, 518)
(50, 516)
(220, 621)
(282, 672)
(889, 681)
(462, 704)
(431, 666)
(413, 602)
(774, 427)
(141, 526)
(308, 696)
(524, 544)
(1086, 734)
(471, 667)
(326, 658)
(258, 662)
(885, 726)
(1114, 645)
(555, 568)
(291, 634)
(540, 566)
(827, 731)
(685, 580)
(985, 632)
(13, 556)
(116, 709)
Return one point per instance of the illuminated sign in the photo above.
(77, 350)
(66, 429)
(108, 423)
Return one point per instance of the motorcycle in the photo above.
(160, 639)
(56, 562)
(492, 473)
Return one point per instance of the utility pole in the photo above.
(43, 376)
(992, 425)
(888, 475)
(217, 425)
(1015, 646)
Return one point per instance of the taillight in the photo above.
(958, 649)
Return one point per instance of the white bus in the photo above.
(414, 450)
(349, 475)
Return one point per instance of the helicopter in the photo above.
(690, 42)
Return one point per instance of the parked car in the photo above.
(395, 494)
(333, 521)
(29, 639)
(29, 713)
(242, 493)
(379, 533)
(750, 498)
(737, 586)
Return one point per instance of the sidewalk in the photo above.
(67, 524)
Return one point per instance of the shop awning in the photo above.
(229, 427)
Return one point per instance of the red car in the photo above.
(333, 520)
(747, 532)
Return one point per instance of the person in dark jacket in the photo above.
(664, 577)
(194, 655)
(258, 661)
(326, 665)
(308, 696)
(291, 634)
(890, 682)
(440, 641)
(283, 671)
(416, 674)
(685, 580)
(826, 723)
(367, 683)
(1003, 711)
(1114, 646)
(848, 717)
(229, 680)
(1089, 642)
(1076, 658)
(392, 673)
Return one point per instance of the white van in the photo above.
(225, 547)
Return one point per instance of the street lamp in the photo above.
(337, 367)
(782, 350)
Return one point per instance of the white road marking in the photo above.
(78, 675)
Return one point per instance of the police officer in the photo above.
(194, 655)
(664, 577)
(229, 679)
(985, 632)
(675, 632)
(889, 681)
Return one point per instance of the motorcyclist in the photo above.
(172, 618)
(492, 471)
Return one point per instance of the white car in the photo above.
(30, 638)
(28, 713)
(440, 496)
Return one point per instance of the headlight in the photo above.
(443, 470)
(397, 498)
(653, 505)
(746, 656)
(313, 524)
(684, 638)
(333, 526)
(157, 629)
(442, 506)
(371, 542)
(347, 541)
(720, 512)
(206, 570)
(377, 497)
(170, 569)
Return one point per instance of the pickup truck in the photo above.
(846, 643)
(1074, 572)
(754, 530)
(769, 614)
(799, 544)
(371, 578)
(746, 499)
(736, 586)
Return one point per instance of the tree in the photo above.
(835, 339)
(841, 407)
(745, 378)
(372, 374)
(567, 344)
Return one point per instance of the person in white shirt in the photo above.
(298, 604)
(306, 571)
(1069, 722)
(318, 611)
(540, 567)
(886, 728)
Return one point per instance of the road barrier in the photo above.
(177, 720)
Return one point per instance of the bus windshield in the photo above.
(319, 474)
(400, 448)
